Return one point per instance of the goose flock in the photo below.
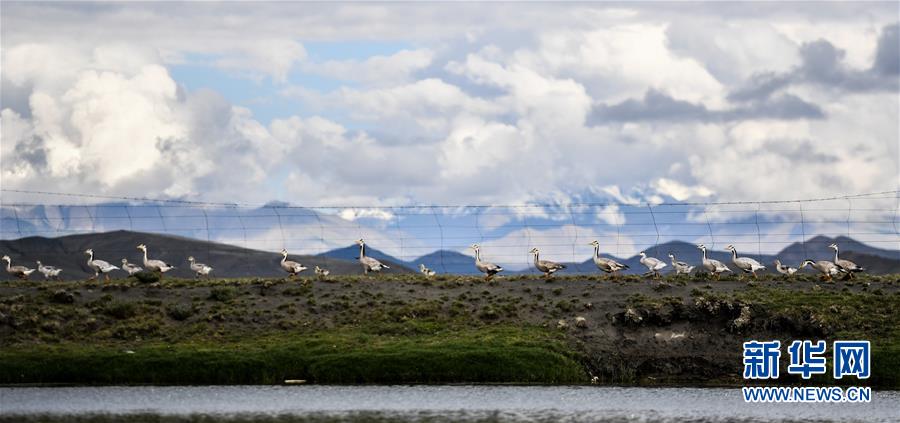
(827, 269)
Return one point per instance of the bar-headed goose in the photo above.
(546, 266)
(828, 269)
(199, 268)
(489, 269)
(845, 266)
(746, 264)
(784, 269)
(607, 265)
(154, 265)
(653, 264)
(20, 272)
(321, 273)
(369, 264)
(426, 271)
(681, 268)
(712, 265)
(99, 266)
(292, 267)
(49, 272)
(131, 268)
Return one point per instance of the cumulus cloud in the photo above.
(822, 64)
(494, 104)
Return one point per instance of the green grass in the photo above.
(491, 355)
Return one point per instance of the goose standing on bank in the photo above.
(489, 269)
(845, 266)
(154, 265)
(606, 264)
(99, 266)
(828, 269)
(681, 268)
(546, 266)
(131, 268)
(292, 267)
(426, 271)
(653, 264)
(199, 268)
(369, 264)
(746, 264)
(784, 269)
(712, 265)
(321, 273)
(49, 271)
(20, 272)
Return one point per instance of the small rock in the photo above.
(580, 322)
(588, 306)
(561, 324)
(128, 352)
(632, 316)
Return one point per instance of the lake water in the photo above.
(435, 403)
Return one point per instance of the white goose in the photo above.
(154, 265)
(746, 264)
(845, 266)
(292, 267)
(784, 269)
(681, 268)
(49, 271)
(321, 273)
(546, 266)
(131, 268)
(828, 269)
(489, 269)
(369, 264)
(199, 268)
(653, 264)
(606, 264)
(20, 272)
(426, 271)
(712, 265)
(99, 266)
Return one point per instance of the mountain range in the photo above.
(67, 252)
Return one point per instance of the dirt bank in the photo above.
(630, 331)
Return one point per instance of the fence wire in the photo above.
(439, 235)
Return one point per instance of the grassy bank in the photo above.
(497, 354)
(407, 329)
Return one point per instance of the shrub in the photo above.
(120, 310)
(179, 312)
(146, 277)
(223, 293)
(62, 297)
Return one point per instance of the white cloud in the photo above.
(378, 70)
(679, 191)
(489, 107)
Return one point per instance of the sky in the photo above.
(391, 104)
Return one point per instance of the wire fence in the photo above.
(437, 235)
